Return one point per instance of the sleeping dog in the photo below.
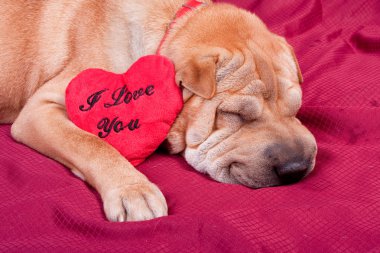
(241, 88)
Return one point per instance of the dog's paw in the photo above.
(135, 202)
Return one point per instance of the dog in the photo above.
(241, 91)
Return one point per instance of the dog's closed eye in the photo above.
(247, 107)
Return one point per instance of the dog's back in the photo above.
(37, 42)
(17, 43)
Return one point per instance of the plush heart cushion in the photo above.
(132, 111)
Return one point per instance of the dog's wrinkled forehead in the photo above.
(234, 69)
(271, 72)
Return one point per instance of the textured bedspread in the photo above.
(44, 208)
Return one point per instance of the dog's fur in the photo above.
(241, 91)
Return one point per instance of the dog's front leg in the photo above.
(43, 125)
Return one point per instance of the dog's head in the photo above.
(242, 93)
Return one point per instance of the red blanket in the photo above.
(44, 207)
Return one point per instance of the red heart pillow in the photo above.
(132, 111)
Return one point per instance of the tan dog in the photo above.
(241, 92)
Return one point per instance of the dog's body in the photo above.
(238, 79)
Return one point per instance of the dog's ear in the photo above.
(300, 78)
(290, 49)
(265, 70)
(198, 75)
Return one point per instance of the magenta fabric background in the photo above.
(44, 208)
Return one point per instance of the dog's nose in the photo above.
(291, 171)
(289, 163)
